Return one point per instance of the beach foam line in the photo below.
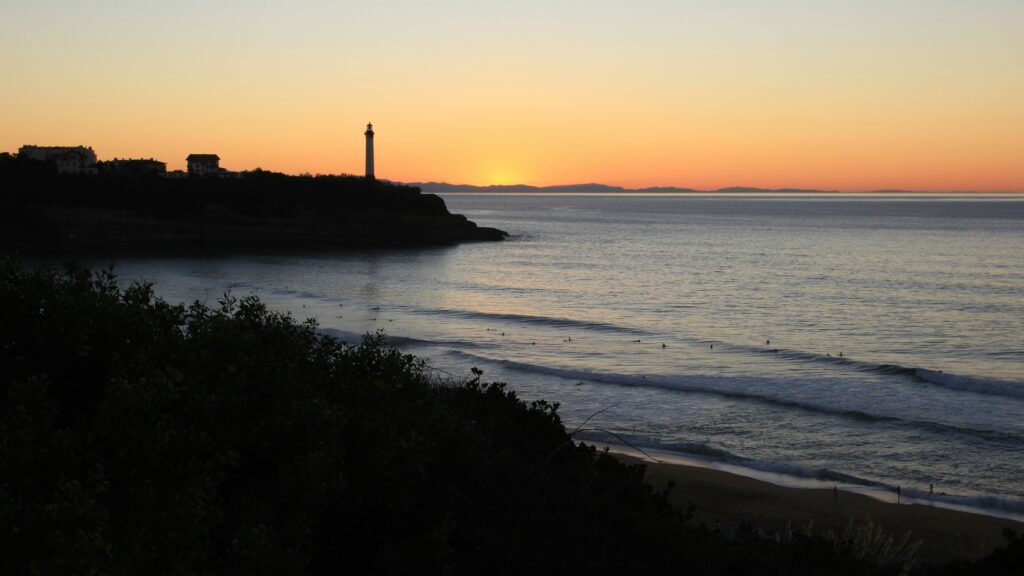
(707, 456)
(726, 386)
(793, 476)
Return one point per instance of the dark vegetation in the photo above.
(42, 211)
(139, 437)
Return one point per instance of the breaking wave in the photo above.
(735, 387)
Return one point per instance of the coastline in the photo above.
(727, 499)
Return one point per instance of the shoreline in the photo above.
(886, 494)
(725, 499)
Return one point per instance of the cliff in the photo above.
(47, 213)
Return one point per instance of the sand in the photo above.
(724, 500)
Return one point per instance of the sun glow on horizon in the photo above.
(502, 174)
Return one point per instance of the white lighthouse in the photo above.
(369, 151)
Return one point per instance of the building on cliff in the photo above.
(68, 159)
(133, 166)
(203, 164)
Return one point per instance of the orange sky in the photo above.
(916, 94)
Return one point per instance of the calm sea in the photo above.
(863, 341)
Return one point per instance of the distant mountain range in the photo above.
(441, 187)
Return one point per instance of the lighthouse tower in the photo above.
(369, 151)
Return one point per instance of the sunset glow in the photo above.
(920, 95)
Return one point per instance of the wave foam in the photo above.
(970, 384)
(735, 387)
(949, 381)
(988, 386)
(547, 321)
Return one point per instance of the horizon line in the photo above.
(682, 189)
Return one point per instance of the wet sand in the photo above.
(724, 500)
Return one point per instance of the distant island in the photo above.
(445, 187)
(44, 209)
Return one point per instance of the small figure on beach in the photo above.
(840, 354)
(712, 346)
(662, 344)
(898, 491)
(767, 342)
(931, 488)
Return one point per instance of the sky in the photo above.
(828, 94)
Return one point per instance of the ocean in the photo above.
(862, 341)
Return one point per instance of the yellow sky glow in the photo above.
(921, 95)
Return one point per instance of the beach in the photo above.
(724, 500)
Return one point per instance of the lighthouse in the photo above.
(369, 151)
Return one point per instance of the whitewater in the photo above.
(865, 341)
